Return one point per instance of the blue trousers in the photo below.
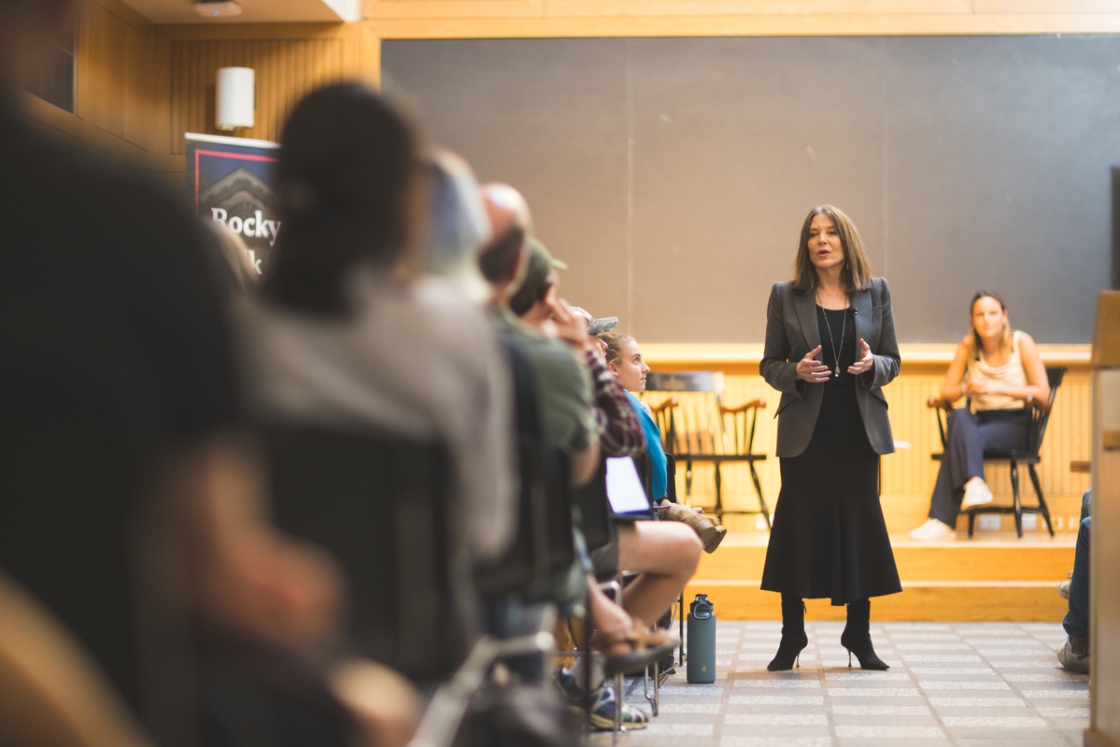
(967, 436)
(1077, 619)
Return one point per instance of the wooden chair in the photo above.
(1039, 413)
(696, 427)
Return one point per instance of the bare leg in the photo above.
(609, 618)
(665, 555)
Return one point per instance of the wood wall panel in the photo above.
(909, 474)
(286, 70)
(474, 19)
(120, 86)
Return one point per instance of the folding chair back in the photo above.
(379, 504)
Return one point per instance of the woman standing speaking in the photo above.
(830, 348)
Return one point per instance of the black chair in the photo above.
(380, 505)
(699, 428)
(1039, 414)
(543, 543)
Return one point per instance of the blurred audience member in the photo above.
(664, 554)
(457, 223)
(344, 335)
(130, 499)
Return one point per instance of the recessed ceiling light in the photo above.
(217, 8)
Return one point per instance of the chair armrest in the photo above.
(1037, 404)
(664, 405)
(753, 404)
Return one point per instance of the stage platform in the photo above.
(994, 577)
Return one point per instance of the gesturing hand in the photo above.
(810, 369)
(866, 359)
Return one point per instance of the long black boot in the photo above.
(857, 636)
(793, 635)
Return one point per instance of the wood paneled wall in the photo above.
(139, 86)
(908, 475)
(121, 97)
(286, 69)
(441, 19)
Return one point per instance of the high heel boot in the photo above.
(793, 635)
(857, 636)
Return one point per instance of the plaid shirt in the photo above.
(620, 430)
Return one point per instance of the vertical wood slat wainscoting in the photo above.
(908, 475)
(286, 70)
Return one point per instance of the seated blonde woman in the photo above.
(1000, 372)
(624, 358)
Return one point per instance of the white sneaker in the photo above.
(932, 530)
(1074, 662)
(976, 493)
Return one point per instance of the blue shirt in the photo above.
(659, 481)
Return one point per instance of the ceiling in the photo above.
(255, 11)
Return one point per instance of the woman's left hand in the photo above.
(866, 359)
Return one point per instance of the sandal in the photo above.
(646, 647)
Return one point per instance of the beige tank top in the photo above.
(1011, 373)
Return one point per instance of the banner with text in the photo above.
(231, 181)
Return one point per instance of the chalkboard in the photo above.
(673, 174)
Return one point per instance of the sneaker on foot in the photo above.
(1072, 661)
(976, 493)
(933, 529)
(602, 703)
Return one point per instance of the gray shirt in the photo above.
(420, 360)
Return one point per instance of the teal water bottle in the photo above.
(701, 641)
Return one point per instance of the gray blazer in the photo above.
(791, 332)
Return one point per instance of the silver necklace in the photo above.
(843, 330)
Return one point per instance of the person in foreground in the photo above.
(830, 349)
(1000, 372)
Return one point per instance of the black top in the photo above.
(838, 332)
(116, 350)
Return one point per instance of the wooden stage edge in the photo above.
(1004, 579)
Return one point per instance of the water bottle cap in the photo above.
(701, 608)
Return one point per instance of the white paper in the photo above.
(624, 487)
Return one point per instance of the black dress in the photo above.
(829, 539)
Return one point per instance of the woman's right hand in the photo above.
(812, 370)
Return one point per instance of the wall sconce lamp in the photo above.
(236, 93)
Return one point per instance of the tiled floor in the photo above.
(962, 684)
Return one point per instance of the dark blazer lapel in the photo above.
(807, 314)
(861, 305)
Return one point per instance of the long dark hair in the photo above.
(856, 273)
(347, 170)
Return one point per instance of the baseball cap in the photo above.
(541, 263)
(596, 326)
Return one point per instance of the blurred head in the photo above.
(624, 358)
(457, 222)
(27, 29)
(988, 318)
(539, 285)
(829, 239)
(502, 259)
(349, 180)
